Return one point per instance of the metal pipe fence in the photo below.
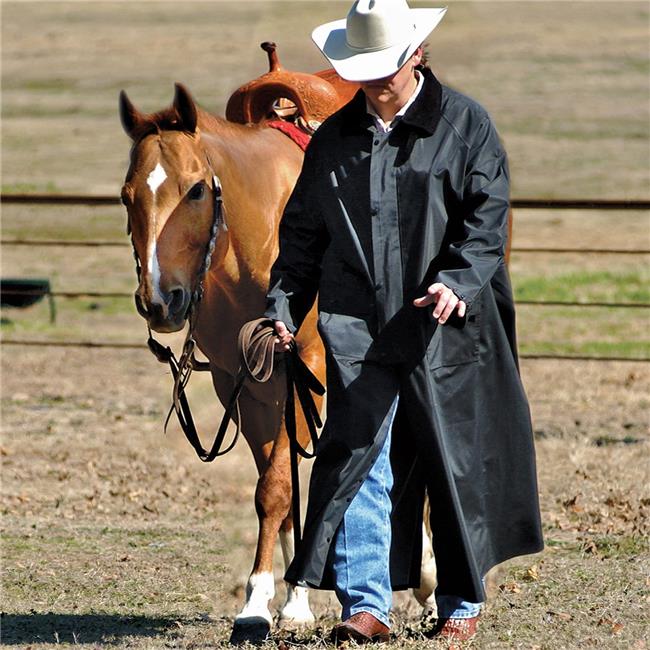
(74, 243)
(534, 203)
(126, 294)
(547, 204)
(142, 346)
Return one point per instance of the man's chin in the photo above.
(378, 95)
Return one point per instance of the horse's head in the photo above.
(172, 199)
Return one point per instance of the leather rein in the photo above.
(256, 342)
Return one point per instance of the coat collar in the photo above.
(423, 114)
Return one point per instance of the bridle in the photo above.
(183, 366)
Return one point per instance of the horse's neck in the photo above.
(257, 169)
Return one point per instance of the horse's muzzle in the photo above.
(166, 316)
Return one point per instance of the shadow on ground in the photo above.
(21, 629)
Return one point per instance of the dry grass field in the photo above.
(114, 534)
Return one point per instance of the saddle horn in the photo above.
(315, 97)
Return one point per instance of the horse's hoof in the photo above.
(252, 629)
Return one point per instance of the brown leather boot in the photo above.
(456, 629)
(362, 628)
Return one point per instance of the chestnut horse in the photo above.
(180, 158)
(177, 157)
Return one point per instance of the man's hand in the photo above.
(284, 339)
(445, 300)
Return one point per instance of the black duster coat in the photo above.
(374, 219)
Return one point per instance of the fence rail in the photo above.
(126, 294)
(534, 204)
(142, 346)
(123, 244)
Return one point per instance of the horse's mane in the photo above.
(168, 119)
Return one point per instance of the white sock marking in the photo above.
(259, 591)
(296, 609)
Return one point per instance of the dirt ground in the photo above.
(113, 534)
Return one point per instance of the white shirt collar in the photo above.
(379, 123)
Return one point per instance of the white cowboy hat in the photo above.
(376, 39)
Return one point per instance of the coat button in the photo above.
(374, 212)
(376, 142)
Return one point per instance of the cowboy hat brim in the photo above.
(355, 65)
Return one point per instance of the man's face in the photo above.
(394, 87)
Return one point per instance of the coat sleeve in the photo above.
(295, 274)
(473, 257)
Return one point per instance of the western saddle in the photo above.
(303, 99)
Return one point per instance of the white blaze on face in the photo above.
(154, 274)
(155, 179)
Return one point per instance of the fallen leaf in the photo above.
(532, 574)
(614, 626)
(510, 587)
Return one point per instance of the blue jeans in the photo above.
(361, 549)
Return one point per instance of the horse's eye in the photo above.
(196, 193)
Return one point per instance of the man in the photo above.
(398, 222)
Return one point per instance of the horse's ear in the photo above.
(130, 116)
(185, 107)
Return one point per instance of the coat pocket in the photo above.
(456, 342)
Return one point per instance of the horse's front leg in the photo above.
(425, 593)
(296, 610)
(261, 418)
(261, 425)
(273, 506)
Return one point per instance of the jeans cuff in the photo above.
(455, 607)
(377, 614)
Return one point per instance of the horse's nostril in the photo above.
(177, 300)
